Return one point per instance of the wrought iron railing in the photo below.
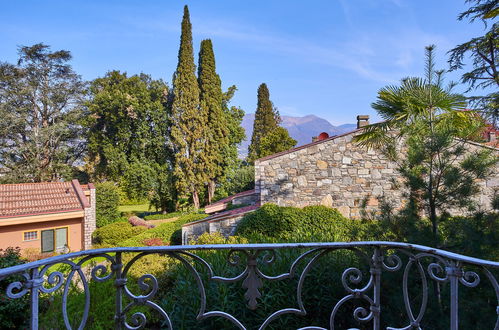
(430, 268)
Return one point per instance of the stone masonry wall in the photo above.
(89, 222)
(338, 173)
(226, 227)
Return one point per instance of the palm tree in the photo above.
(434, 124)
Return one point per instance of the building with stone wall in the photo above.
(337, 172)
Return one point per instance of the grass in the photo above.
(139, 208)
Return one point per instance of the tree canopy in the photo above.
(437, 167)
(127, 131)
(41, 106)
(483, 51)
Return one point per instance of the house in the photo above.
(332, 171)
(48, 217)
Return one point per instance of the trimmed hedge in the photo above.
(115, 233)
(169, 232)
(273, 221)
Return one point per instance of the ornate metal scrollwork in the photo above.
(360, 284)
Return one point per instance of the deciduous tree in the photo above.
(127, 140)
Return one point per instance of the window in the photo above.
(30, 235)
(48, 240)
(54, 239)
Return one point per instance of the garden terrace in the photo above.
(377, 285)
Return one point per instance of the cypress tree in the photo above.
(267, 119)
(187, 120)
(211, 98)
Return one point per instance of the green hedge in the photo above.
(115, 233)
(169, 232)
(311, 223)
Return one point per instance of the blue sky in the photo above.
(327, 58)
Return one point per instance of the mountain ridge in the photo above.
(302, 129)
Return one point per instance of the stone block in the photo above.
(321, 164)
(344, 210)
(327, 200)
(346, 160)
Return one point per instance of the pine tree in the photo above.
(187, 120)
(266, 120)
(211, 100)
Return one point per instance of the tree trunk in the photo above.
(195, 199)
(433, 218)
(211, 190)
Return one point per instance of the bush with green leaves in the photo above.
(290, 222)
(107, 195)
(115, 233)
(14, 313)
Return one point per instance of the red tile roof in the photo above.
(26, 199)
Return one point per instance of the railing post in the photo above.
(376, 273)
(454, 272)
(34, 285)
(119, 283)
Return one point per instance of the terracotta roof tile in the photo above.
(38, 198)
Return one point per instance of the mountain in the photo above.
(302, 129)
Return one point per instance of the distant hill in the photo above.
(302, 129)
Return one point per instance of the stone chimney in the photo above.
(362, 120)
(492, 136)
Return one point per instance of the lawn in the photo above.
(138, 208)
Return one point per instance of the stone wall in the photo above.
(226, 226)
(89, 221)
(338, 173)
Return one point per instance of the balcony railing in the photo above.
(429, 271)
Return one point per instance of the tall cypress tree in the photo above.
(187, 120)
(211, 99)
(267, 119)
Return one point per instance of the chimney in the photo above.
(492, 136)
(320, 137)
(362, 120)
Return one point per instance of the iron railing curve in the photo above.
(439, 266)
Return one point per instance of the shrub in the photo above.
(312, 223)
(115, 233)
(218, 238)
(156, 241)
(14, 313)
(165, 231)
(107, 201)
(270, 220)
